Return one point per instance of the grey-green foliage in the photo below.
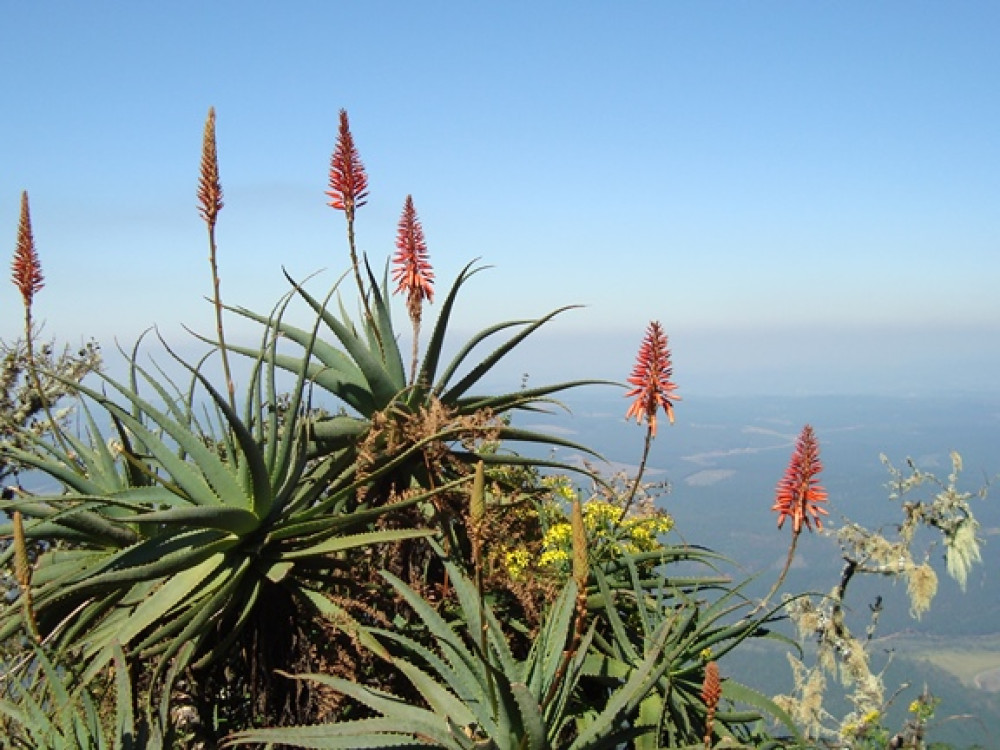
(175, 528)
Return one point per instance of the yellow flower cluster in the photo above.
(609, 533)
(556, 545)
(517, 562)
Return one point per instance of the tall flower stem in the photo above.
(638, 476)
(22, 571)
(781, 576)
(477, 518)
(653, 390)
(798, 496)
(711, 692)
(210, 200)
(415, 351)
(356, 265)
(348, 192)
(26, 273)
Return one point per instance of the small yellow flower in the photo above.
(598, 515)
(555, 557)
(517, 562)
(871, 717)
(560, 486)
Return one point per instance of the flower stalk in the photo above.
(209, 205)
(26, 273)
(477, 518)
(798, 496)
(348, 192)
(22, 571)
(581, 574)
(412, 272)
(652, 390)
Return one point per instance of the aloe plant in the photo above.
(700, 615)
(476, 692)
(364, 371)
(430, 431)
(178, 528)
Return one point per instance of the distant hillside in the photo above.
(724, 457)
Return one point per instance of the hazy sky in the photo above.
(805, 194)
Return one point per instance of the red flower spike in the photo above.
(798, 494)
(348, 181)
(651, 378)
(26, 270)
(412, 271)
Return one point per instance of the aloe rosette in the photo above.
(181, 529)
(363, 369)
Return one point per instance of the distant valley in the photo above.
(722, 460)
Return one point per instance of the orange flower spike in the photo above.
(412, 269)
(711, 690)
(651, 378)
(209, 186)
(348, 180)
(799, 493)
(26, 270)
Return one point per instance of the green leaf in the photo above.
(210, 481)
(152, 559)
(740, 693)
(176, 589)
(345, 622)
(531, 717)
(496, 355)
(353, 541)
(435, 344)
(232, 520)
(625, 701)
(383, 383)
(125, 733)
(381, 732)
(440, 700)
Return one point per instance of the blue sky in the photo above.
(806, 195)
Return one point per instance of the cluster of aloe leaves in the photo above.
(618, 686)
(181, 534)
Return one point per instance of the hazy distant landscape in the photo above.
(723, 458)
